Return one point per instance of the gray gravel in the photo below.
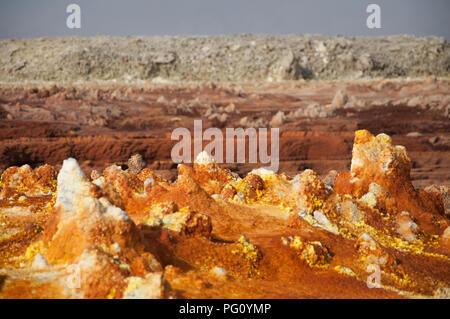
(233, 58)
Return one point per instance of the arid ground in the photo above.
(345, 199)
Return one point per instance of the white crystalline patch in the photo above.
(88, 260)
(72, 185)
(87, 214)
(321, 218)
(412, 225)
(368, 242)
(403, 213)
(115, 167)
(16, 211)
(16, 178)
(9, 233)
(400, 150)
(356, 162)
(143, 194)
(442, 293)
(149, 287)
(116, 248)
(369, 199)
(91, 205)
(203, 158)
(345, 270)
(39, 262)
(307, 172)
(278, 118)
(382, 137)
(262, 172)
(175, 221)
(407, 228)
(446, 233)
(105, 202)
(323, 221)
(148, 181)
(24, 168)
(350, 210)
(296, 182)
(74, 192)
(376, 189)
(116, 213)
(54, 279)
(33, 193)
(354, 180)
(99, 181)
(386, 164)
(219, 271)
(112, 211)
(364, 153)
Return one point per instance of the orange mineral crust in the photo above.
(129, 233)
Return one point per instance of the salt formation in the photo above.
(150, 287)
(87, 230)
(132, 234)
(203, 158)
(382, 170)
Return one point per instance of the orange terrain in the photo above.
(358, 209)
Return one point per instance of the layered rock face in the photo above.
(132, 234)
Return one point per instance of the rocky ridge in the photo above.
(228, 58)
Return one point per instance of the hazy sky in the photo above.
(44, 18)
